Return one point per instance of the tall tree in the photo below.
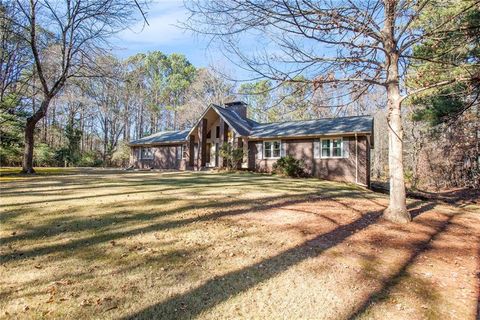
(258, 95)
(455, 52)
(63, 36)
(350, 42)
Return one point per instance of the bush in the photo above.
(234, 156)
(10, 155)
(289, 166)
(44, 155)
(121, 155)
(90, 159)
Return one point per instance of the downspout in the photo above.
(356, 159)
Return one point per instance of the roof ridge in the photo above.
(238, 117)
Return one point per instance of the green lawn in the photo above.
(92, 243)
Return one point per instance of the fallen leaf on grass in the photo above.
(63, 282)
(85, 303)
(111, 308)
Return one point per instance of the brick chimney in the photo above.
(239, 107)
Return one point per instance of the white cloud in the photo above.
(163, 25)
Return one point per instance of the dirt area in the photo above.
(109, 245)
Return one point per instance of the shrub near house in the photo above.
(290, 166)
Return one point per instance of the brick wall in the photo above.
(164, 157)
(341, 169)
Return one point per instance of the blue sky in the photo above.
(163, 34)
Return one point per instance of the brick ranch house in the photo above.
(332, 149)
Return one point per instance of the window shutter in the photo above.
(316, 148)
(282, 149)
(346, 149)
(259, 150)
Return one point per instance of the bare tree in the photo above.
(63, 37)
(14, 57)
(359, 43)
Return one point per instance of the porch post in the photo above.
(245, 153)
(191, 151)
(203, 143)
(224, 139)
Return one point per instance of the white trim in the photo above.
(272, 142)
(331, 148)
(316, 149)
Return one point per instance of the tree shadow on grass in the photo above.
(219, 289)
(191, 183)
(417, 249)
(224, 210)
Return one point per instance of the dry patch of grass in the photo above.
(110, 244)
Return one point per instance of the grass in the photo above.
(110, 244)
(13, 173)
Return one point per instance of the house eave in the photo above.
(157, 143)
(211, 106)
(332, 134)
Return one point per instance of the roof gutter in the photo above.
(156, 143)
(311, 135)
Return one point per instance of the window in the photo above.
(178, 152)
(181, 152)
(217, 132)
(146, 153)
(184, 151)
(271, 149)
(332, 148)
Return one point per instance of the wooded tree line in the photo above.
(415, 64)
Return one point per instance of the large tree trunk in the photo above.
(27, 163)
(397, 209)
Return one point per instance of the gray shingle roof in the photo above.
(313, 127)
(163, 137)
(253, 129)
(239, 124)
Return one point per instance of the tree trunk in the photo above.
(397, 208)
(27, 163)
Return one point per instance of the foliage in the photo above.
(90, 159)
(440, 106)
(289, 166)
(232, 155)
(121, 155)
(11, 131)
(74, 136)
(453, 54)
(46, 156)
